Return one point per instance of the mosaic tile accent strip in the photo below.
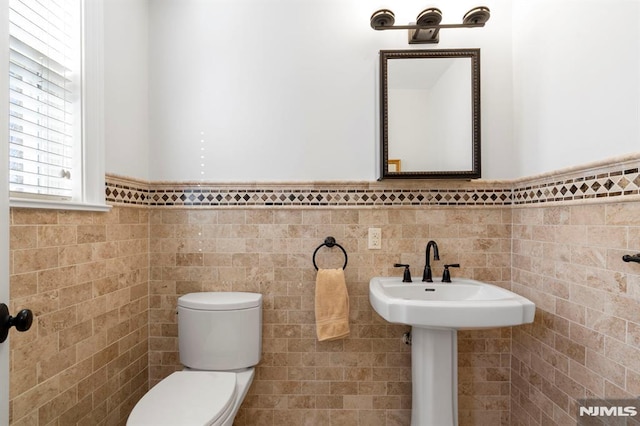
(618, 180)
(323, 197)
(122, 191)
(605, 180)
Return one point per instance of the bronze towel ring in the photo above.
(330, 242)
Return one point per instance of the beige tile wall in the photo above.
(364, 379)
(104, 288)
(85, 277)
(585, 341)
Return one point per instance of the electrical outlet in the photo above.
(375, 238)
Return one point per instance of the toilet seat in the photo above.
(187, 398)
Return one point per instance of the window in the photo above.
(55, 130)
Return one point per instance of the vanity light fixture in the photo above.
(427, 26)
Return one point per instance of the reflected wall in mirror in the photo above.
(430, 114)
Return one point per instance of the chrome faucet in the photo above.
(426, 275)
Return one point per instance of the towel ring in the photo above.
(330, 242)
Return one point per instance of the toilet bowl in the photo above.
(219, 336)
(188, 398)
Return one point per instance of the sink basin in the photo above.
(436, 311)
(460, 304)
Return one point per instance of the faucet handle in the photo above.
(446, 275)
(406, 277)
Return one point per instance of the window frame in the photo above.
(89, 195)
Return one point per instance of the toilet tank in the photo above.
(220, 330)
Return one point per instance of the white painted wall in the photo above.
(126, 88)
(576, 81)
(286, 90)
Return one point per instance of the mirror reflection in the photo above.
(430, 109)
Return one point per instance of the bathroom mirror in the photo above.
(430, 114)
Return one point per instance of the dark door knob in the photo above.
(22, 321)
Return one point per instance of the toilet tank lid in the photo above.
(220, 300)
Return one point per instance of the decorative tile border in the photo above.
(298, 195)
(615, 179)
(615, 184)
(126, 191)
(317, 197)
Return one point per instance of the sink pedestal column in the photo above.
(434, 358)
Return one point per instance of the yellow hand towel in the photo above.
(332, 305)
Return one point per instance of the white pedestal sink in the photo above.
(436, 311)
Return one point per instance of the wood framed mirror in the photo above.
(430, 114)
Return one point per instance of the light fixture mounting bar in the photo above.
(424, 27)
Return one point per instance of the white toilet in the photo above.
(220, 340)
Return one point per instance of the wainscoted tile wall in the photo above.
(365, 379)
(585, 341)
(104, 290)
(85, 277)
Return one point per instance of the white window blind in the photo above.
(44, 91)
